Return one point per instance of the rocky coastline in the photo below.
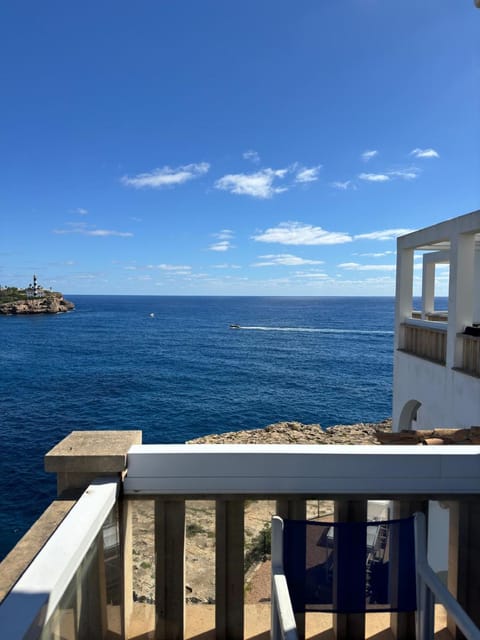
(53, 303)
(298, 433)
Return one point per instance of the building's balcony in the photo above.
(425, 339)
(471, 354)
(112, 563)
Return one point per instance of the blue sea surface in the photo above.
(181, 373)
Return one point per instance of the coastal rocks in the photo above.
(299, 433)
(47, 304)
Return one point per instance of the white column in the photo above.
(428, 288)
(460, 294)
(404, 290)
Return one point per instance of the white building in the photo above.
(437, 351)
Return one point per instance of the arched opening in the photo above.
(408, 414)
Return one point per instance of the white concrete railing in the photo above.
(316, 470)
(29, 607)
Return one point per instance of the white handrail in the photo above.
(283, 619)
(320, 470)
(428, 580)
(30, 604)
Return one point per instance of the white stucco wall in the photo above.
(448, 398)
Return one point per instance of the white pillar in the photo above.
(404, 290)
(428, 288)
(460, 294)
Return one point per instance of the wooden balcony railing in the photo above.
(425, 342)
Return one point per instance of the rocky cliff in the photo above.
(299, 433)
(47, 304)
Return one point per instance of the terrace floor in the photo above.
(200, 623)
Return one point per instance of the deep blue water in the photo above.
(180, 374)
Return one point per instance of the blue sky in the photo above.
(232, 148)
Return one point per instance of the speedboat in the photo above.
(234, 326)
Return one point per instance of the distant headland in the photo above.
(31, 300)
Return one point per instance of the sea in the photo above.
(173, 367)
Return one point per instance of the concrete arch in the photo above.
(408, 414)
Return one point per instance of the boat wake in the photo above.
(310, 330)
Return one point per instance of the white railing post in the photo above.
(425, 602)
(283, 625)
(277, 565)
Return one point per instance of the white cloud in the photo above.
(369, 154)
(258, 185)
(225, 265)
(375, 255)
(177, 268)
(406, 174)
(174, 268)
(83, 229)
(81, 211)
(284, 259)
(222, 245)
(296, 233)
(108, 232)
(386, 234)
(223, 234)
(311, 274)
(409, 173)
(224, 237)
(424, 153)
(348, 184)
(166, 176)
(252, 156)
(307, 174)
(264, 183)
(140, 278)
(354, 266)
(374, 177)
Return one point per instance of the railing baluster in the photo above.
(229, 577)
(126, 550)
(169, 569)
(294, 510)
(425, 342)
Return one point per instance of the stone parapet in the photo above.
(85, 455)
(20, 557)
